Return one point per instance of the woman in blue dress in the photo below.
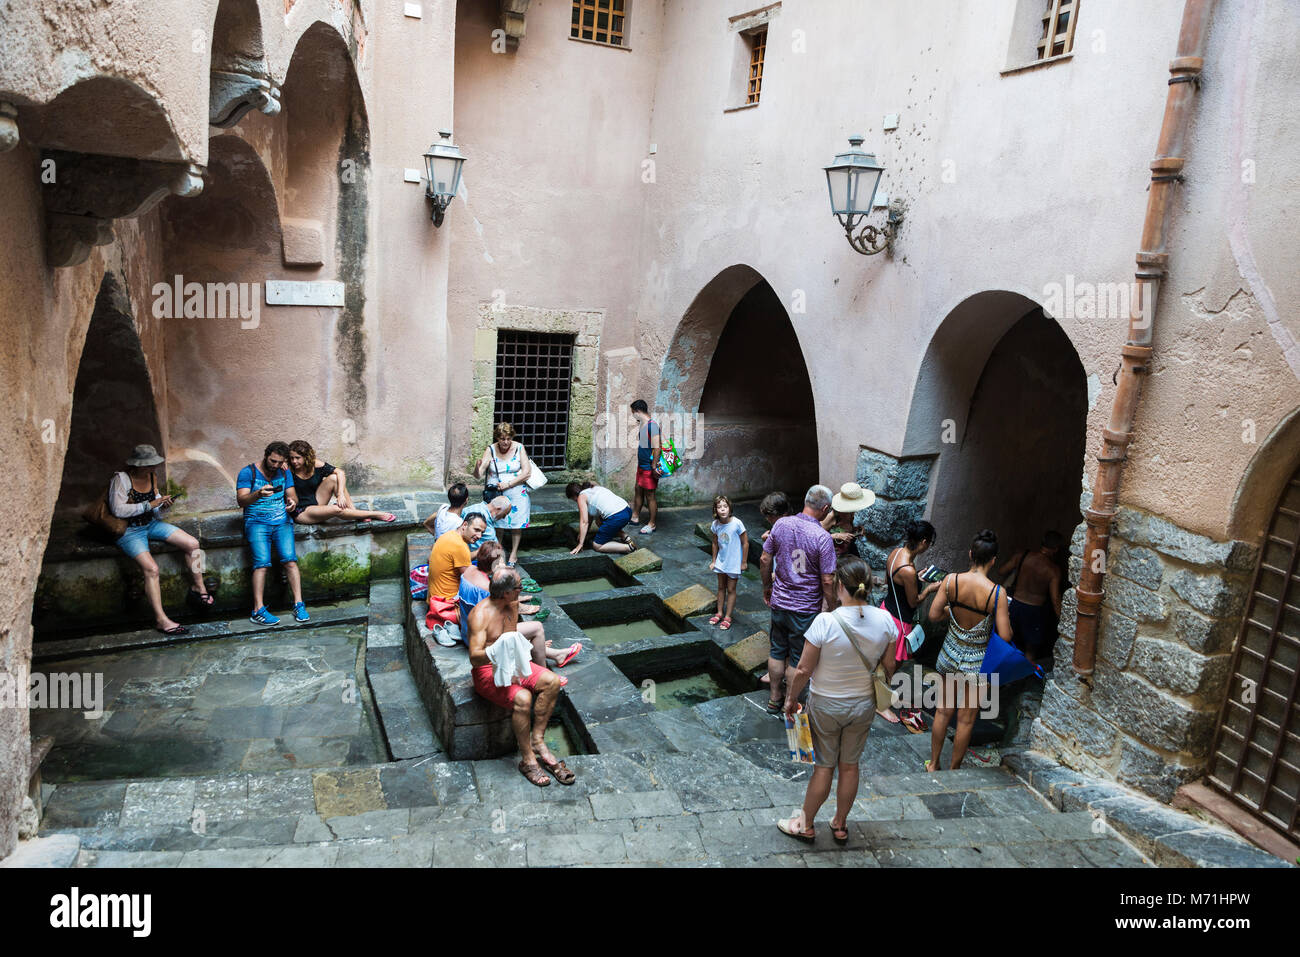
(504, 466)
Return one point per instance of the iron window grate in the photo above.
(534, 378)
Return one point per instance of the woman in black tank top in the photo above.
(902, 597)
(901, 587)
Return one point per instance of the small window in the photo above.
(601, 21)
(757, 47)
(1057, 37)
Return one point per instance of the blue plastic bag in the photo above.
(1006, 661)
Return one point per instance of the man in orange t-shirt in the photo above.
(447, 562)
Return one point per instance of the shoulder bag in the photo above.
(492, 489)
(101, 516)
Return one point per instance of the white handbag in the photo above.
(536, 478)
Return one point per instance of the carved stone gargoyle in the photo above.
(84, 192)
(231, 94)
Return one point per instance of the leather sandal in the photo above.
(534, 774)
(560, 770)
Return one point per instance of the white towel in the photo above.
(511, 656)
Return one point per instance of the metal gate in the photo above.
(1256, 754)
(534, 375)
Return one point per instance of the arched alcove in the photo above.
(736, 363)
(1007, 415)
(112, 402)
(103, 115)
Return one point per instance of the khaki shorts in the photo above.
(839, 728)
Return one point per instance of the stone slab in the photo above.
(694, 600)
(641, 560)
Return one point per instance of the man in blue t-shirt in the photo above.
(492, 513)
(647, 465)
(267, 496)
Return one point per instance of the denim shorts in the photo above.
(611, 526)
(135, 540)
(260, 536)
(786, 634)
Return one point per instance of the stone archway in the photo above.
(1001, 403)
(736, 396)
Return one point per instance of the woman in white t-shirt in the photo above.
(841, 651)
(610, 514)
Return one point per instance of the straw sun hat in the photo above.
(852, 497)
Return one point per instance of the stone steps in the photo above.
(652, 808)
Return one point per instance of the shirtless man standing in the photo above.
(529, 700)
(1038, 580)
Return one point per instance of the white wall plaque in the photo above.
(284, 292)
(413, 11)
(413, 176)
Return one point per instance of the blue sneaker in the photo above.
(263, 616)
(300, 612)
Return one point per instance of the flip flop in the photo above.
(648, 530)
(837, 831)
(174, 630)
(570, 653)
(389, 517)
(560, 770)
(542, 615)
(528, 581)
(913, 722)
(203, 598)
(534, 774)
(789, 827)
(726, 624)
(715, 619)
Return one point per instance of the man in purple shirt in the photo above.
(803, 554)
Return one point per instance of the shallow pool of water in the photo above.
(559, 740)
(688, 691)
(578, 586)
(601, 635)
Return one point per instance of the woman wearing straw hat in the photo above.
(133, 496)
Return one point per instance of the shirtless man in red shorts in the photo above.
(529, 700)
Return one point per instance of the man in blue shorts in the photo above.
(266, 495)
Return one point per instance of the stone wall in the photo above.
(901, 486)
(1170, 615)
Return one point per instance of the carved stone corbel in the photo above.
(84, 192)
(513, 13)
(231, 94)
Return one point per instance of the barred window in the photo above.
(603, 21)
(534, 375)
(1058, 28)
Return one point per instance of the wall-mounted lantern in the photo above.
(852, 180)
(442, 166)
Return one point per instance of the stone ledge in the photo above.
(1162, 834)
(57, 850)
